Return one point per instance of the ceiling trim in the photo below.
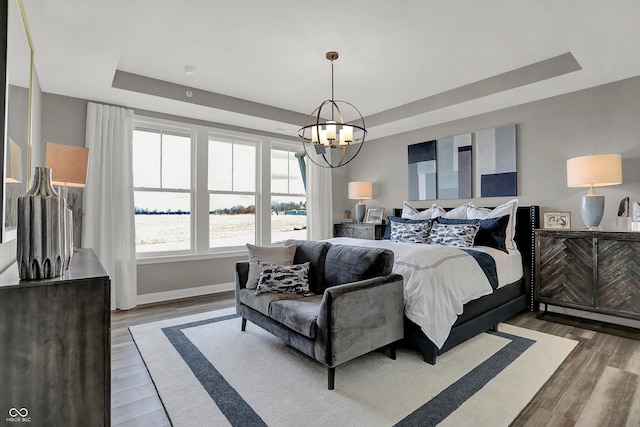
(150, 86)
(533, 73)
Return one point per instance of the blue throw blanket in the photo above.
(488, 265)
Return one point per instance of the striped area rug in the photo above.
(208, 372)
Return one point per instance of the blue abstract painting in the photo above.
(422, 171)
(495, 151)
(454, 167)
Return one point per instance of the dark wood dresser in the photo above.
(597, 271)
(55, 335)
(359, 231)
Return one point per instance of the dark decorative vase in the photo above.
(41, 241)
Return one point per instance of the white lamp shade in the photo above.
(596, 170)
(360, 190)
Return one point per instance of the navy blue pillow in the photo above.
(492, 232)
(387, 231)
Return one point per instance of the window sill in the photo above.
(160, 259)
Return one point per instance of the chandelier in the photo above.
(335, 135)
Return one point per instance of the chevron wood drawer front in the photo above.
(619, 276)
(597, 271)
(566, 270)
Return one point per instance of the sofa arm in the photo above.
(242, 274)
(359, 317)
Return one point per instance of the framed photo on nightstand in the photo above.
(374, 216)
(557, 220)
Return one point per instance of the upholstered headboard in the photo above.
(527, 220)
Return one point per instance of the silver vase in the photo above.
(41, 235)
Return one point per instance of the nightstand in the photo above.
(359, 231)
(595, 271)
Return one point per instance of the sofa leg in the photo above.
(392, 351)
(331, 378)
(244, 324)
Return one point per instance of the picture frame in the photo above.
(374, 216)
(557, 220)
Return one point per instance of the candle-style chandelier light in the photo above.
(326, 128)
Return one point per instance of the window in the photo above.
(288, 195)
(232, 192)
(200, 190)
(162, 189)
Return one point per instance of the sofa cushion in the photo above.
(275, 254)
(299, 314)
(287, 279)
(262, 302)
(313, 252)
(346, 264)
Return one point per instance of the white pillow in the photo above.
(510, 208)
(282, 255)
(409, 212)
(458, 213)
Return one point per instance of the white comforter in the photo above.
(438, 281)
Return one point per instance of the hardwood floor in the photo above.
(598, 384)
(134, 400)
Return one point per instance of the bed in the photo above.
(487, 301)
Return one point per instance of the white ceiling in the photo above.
(392, 53)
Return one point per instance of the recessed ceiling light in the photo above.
(190, 71)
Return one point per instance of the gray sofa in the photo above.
(356, 304)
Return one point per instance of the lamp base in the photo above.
(592, 210)
(361, 208)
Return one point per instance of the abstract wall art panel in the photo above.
(454, 167)
(422, 171)
(495, 151)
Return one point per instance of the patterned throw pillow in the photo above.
(459, 235)
(287, 279)
(411, 232)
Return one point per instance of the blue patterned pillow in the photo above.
(411, 232)
(287, 279)
(392, 219)
(459, 235)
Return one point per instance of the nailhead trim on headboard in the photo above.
(534, 218)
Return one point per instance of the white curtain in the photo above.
(109, 222)
(319, 202)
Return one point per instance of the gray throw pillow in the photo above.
(459, 235)
(287, 279)
(282, 255)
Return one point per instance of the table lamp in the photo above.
(360, 190)
(68, 169)
(594, 171)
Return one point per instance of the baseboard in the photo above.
(598, 317)
(184, 293)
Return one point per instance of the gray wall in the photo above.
(64, 120)
(599, 120)
(605, 119)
